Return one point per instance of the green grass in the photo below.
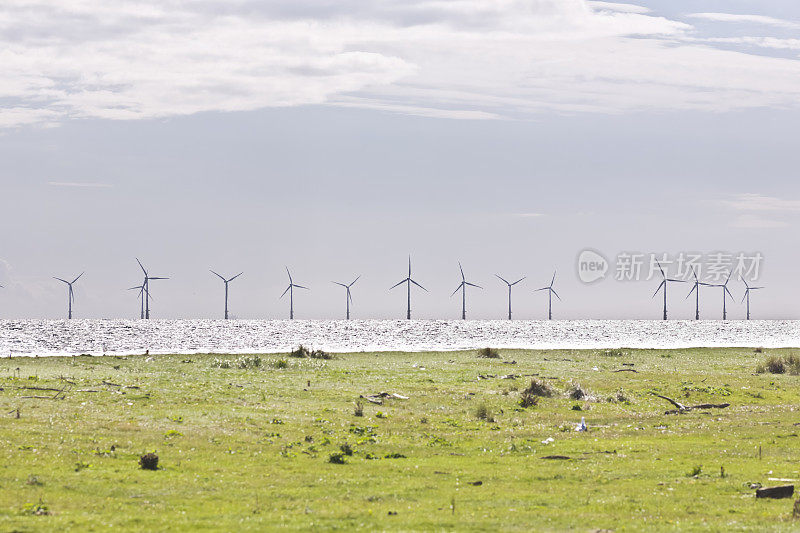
(277, 444)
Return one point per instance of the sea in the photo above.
(31, 338)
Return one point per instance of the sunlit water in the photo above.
(97, 337)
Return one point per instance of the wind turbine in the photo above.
(226, 281)
(509, 291)
(348, 297)
(696, 291)
(290, 290)
(70, 294)
(666, 281)
(551, 291)
(747, 295)
(146, 288)
(463, 288)
(725, 294)
(141, 297)
(409, 281)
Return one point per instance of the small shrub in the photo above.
(347, 449)
(526, 399)
(148, 461)
(81, 465)
(789, 364)
(381, 414)
(359, 409)
(482, 412)
(36, 509)
(539, 388)
(280, 364)
(695, 471)
(577, 393)
(489, 353)
(34, 481)
(172, 433)
(301, 352)
(394, 456)
(336, 459)
(612, 353)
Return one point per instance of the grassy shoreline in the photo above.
(250, 448)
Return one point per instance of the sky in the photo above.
(339, 137)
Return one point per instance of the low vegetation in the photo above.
(434, 441)
(780, 364)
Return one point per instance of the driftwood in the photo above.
(627, 370)
(686, 408)
(42, 388)
(378, 398)
(108, 383)
(786, 491)
(556, 457)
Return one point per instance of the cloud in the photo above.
(613, 6)
(529, 215)
(746, 19)
(88, 185)
(476, 59)
(757, 202)
(757, 222)
(773, 43)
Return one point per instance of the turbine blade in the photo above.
(418, 285)
(457, 289)
(79, 277)
(694, 287)
(553, 280)
(662, 284)
(341, 284)
(728, 291)
(398, 284)
(542, 289)
(236, 276)
(473, 285)
(745, 295)
(216, 274)
(158, 278)
(301, 287)
(520, 279)
(554, 292)
(354, 281)
(504, 281)
(142, 267)
(59, 279)
(284, 292)
(661, 269)
(462, 271)
(289, 274)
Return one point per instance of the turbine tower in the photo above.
(146, 288)
(463, 288)
(408, 281)
(746, 296)
(551, 291)
(725, 294)
(348, 296)
(664, 283)
(141, 298)
(70, 294)
(226, 281)
(509, 291)
(696, 291)
(290, 290)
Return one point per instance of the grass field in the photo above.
(260, 447)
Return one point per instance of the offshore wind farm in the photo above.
(592, 204)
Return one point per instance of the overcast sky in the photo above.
(339, 136)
